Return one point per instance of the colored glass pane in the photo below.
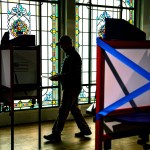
(50, 53)
(83, 97)
(128, 3)
(77, 28)
(50, 97)
(18, 21)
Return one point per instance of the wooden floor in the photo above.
(26, 138)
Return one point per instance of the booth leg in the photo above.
(107, 144)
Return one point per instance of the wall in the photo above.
(31, 116)
(145, 18)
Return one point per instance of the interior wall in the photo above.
(31, 116)
(70, 19)
(145, 17)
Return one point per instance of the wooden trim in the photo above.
(128, 44)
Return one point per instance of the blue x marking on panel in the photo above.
(133, 66)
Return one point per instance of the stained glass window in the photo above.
(18, 21)
(90, 23)
(21, 17)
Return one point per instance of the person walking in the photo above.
(70, 78)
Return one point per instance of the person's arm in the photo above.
(59, 77)
(55, 77)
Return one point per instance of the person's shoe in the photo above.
(53, 138)
(83, 134)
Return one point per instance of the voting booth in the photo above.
(20, 75)
(20, 70)
(122, 91)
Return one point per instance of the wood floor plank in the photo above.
(26, 138)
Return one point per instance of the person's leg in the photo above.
(67, 100)
(80, 121)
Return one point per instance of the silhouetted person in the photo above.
(70, 79)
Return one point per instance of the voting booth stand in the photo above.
(20, 78)
(122, 92)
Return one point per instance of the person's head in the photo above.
(65, 42)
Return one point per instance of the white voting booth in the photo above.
(19, 70)
(20, 75)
